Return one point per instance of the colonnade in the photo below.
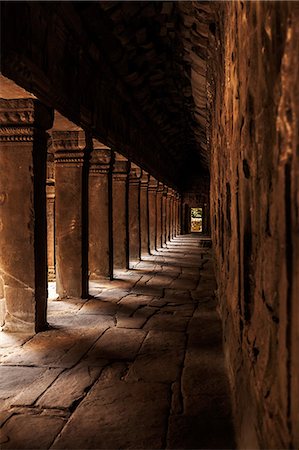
(72, 209)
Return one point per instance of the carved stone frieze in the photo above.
(16, 134)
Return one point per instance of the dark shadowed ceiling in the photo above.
(159, 50)
(132, 72)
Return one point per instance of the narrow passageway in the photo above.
(138, 365)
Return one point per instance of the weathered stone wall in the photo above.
(254, 103)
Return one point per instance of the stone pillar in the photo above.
(120, 212)
(164, 216)
(152, 212)
(100, 251)
(171, 208)
(159, 215)
(168, 213)
(71, 212)
(144, 223)
(180, 214)
(23, 223)
(174, 216)
(177, 214)
(134, 213)
(50, 190)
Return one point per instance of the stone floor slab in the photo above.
(139, 365)
(117, 415)
(25, 431)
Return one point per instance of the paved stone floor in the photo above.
(137, 366)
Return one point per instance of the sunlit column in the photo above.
(121, 169)
(100, 257)
(168, 213)
(152, 211)
(164, 216)
(23, 223)
(159, 197)
(71, 203)
(134, 213)
(50, 190)
(144, 222)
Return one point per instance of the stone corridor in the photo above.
(137, 365)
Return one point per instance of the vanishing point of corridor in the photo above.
(137, 365)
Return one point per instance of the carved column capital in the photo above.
(101, 159)
(153, 184)
(160, 187)
(165, 190)
(21, 118)
(135, 174)
(69, 146)
(169, 192)
(144, 180)
(121, 168)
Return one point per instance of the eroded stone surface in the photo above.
(254, 211)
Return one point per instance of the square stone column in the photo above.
(159, 215)
(180, 212)
(23, 223)
(71, 202)
(50, 191)
(152, 212)
(171, 214)
(174, 214)
(100, 253)
(168, 214)
(176, 217)
(120, 212)
(134, 213)
(144, 222)
(164, 216)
